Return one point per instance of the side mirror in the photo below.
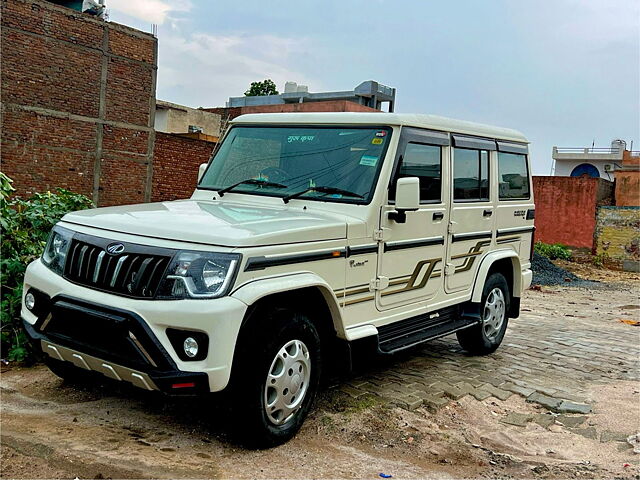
(407, 198)
(201, 170)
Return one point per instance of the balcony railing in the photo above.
(597, 150)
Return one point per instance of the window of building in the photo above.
(470, 175)
(513, 178)
(424, 162)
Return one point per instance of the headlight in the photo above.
(55, 253)
(199, 275)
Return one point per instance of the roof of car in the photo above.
(432, 122)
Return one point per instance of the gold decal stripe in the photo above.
(508, 239)
(410, 285)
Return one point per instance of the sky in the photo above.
(563, 72)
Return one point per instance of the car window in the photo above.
(470, 175)
(513, 177)
(424, 162)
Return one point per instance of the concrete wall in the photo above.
(175, 166)
(618, 236)
(173, 118)
(78, 101)
(566, 209)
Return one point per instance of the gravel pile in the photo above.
(547, 273)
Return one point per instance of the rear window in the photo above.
(513, 178)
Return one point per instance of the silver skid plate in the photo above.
(87, 362)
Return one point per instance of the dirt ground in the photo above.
(53, 430)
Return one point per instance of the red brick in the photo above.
(176, 161)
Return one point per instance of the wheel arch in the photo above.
(307, 290)
(506, 262)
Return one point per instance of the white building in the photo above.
(594, 162)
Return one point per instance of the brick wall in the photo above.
(618, 236)
(175, 166)
(566, 208)
(78, 98)
(229, 113)
(628, 180)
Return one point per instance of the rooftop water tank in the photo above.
(618, 145)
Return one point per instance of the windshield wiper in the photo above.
(321, 189)
(250, 181)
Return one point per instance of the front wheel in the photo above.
(486, 337)
(277, 377)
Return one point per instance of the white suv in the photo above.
(307, 234)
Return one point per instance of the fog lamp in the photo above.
(29, 301)
(190, 347)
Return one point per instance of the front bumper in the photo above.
(527, 276)
(130, 342)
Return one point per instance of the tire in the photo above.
(276, 376)
(486, 337)
(69, 372)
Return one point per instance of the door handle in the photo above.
(438, 216)
(487, 213)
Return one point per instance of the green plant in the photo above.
(599, 260)
(259, 89)
(552, 251)
(24, 226)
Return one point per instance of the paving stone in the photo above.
(517, 419)
(497, 392)
(550, 403)
(480, 394)
(351, 391)
(433, 402)
(608, 436)
(588, 432)
(524, 391)
(572, 407)
(572, 422)
(549, 362)
(454, 392)
(544, 420)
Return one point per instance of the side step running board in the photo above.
(405, 334)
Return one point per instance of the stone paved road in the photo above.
(564, 341)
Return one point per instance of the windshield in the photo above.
(287, 160)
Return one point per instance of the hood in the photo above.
(215, 223)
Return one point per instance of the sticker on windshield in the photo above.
(300, 138)
(381, 133)
(368, 160)
(377, 141)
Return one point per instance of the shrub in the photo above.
(553, 251)
(25, 226)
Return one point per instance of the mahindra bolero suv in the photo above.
(307, 234)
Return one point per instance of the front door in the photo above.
(473, 214)
(410, 264)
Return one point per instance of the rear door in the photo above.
(472, 221)
(412, 256)
(515, 214)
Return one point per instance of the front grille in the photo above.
(136, 272)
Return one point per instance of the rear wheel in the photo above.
(486, 337)
(277, 376)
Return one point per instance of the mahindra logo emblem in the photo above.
(115, 248)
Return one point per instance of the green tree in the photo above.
(259, 89)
